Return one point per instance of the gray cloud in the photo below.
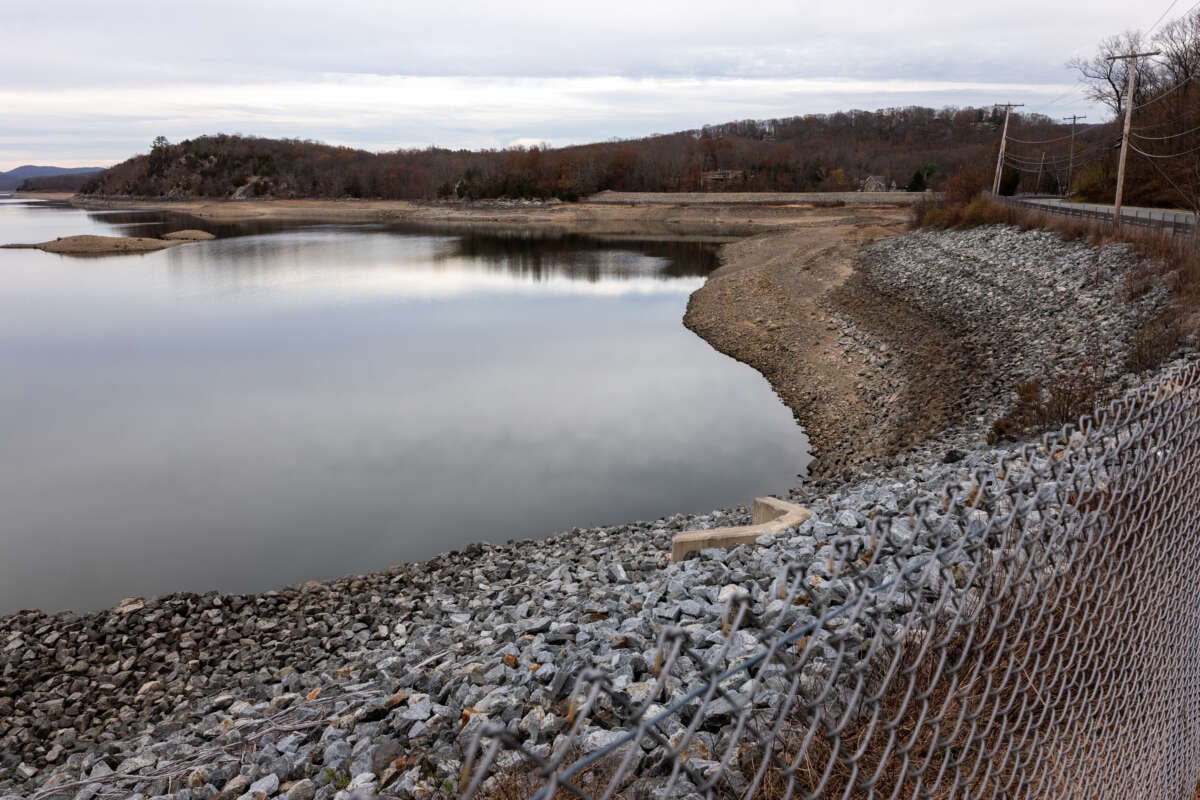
(87, 81)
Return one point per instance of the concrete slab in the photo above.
(769, 515)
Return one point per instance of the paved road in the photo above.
(1163, 217)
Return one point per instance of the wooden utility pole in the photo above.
(1133, 57)
(1071, 159)
(1008, 107)
(1037, 187)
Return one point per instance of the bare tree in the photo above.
(1106, 77)
(1179, 42)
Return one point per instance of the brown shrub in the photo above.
(1041, 407)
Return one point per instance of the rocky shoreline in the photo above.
(911, 337)
(376, 684)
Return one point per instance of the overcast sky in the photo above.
(84, 82)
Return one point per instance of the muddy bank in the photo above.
(770, 306)
(55, 196)
(619, 216)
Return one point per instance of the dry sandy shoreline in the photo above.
(611, 214)
(772, 304)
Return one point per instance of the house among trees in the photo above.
(874, 183)
(719, 178)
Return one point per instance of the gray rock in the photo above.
(302, 790)
(268, 785)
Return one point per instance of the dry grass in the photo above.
(1045, 406)
(522, 781)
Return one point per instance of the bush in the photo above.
(1094, 183)
(982, 211)
(1041, 407)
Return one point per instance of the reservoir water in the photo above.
(284, 404)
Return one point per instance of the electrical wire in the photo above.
(1161, 17)
(1188, 199)
(1079, 154)
(1162, 138)
(1027, 170)
(1174, 88)
(1042, 141)
(1137, 149)
(1039, 164)
(1075, 90)
(1048, 160)
(1185, 117)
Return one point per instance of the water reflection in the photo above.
(539, 257)
(156, 223)
(260, 410)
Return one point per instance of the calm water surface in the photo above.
(280, 405)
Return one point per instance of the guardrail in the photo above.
(1174, 222)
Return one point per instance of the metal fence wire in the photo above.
(1032, 634)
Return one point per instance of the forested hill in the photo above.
(836, 152)
(14, 178)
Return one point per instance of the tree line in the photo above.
(914, 148)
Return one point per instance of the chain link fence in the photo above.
(1032, 634)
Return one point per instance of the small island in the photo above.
(89, 245)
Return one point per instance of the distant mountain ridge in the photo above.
(15, 177)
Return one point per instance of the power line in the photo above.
(1161, 17)
(1186, 197)
(1041, 141)
(1075, 90)
(1163, 138)
(1136, 149)
(1195, 5)
(1088, 149)
(1048, 159)
(1175, 120)
(1174, 88)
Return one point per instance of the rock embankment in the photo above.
(947, 324)
(877, 347)
(381, 681)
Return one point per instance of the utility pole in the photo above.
(1071, 160)
(1008, 107)
(1037, 187)
(1133, 57)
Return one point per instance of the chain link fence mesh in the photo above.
(1033, 634)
